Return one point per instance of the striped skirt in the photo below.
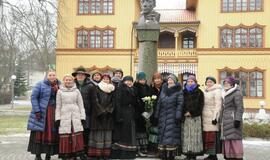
(212, 142)
(192, 142)
(46, 141)
(100, 142)
(71, 145)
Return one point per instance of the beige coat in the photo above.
(69, 110)
(212, 107)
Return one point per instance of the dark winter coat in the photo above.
(232, 109)
(142, 91)
(124, 126)
(169, 114)
(193, 102)
(87, 90)
(155, 91)
(40, 98)
(101, 117)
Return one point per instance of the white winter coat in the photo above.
(212, 107)
(69, 110)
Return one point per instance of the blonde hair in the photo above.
(68, 75)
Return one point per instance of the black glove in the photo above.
(236, 124)
(214, 122)
(83, 122)
(57, 123)
(38, 116)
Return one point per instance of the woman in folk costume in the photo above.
(192, 143)
(87, 90)
(124, 138)
(70, 117)
(211, 113)
(96, 77)
(44, 134)
(231, 120)
(143, 90)
(169, 114)
(117, 77)
(156, 86)
(100, 138)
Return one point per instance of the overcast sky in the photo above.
(171, 4)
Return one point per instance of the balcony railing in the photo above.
(175, 53)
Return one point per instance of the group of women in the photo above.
(102, 117)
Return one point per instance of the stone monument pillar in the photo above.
(148, 30)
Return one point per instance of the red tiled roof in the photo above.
(177, 16)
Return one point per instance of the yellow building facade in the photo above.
(208, 37)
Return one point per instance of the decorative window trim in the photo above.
(241, 69)
(93, 29)
(101, 8)
(248, 7)
(234, 28)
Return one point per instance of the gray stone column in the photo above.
(148, 34)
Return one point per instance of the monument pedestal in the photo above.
(148, 35)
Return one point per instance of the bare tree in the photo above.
(27, 30)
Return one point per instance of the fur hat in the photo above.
(95, 72)
(210, 78)
(141, 76)
(128, 78)
(80, 70)
(118, 70)
(173, 77)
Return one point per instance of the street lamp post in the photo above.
(13, 78)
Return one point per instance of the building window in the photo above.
(255, 5)
(96, 6)
(107, 6)
(241, 37)
(188, 40)
(227, 5)
(95, 38)
(226, 38)
(82, 39)
(256, 84)
(108, 39)
(83, 6)
(250, 81)
(166, 40)
(241, 5)
(256, 37)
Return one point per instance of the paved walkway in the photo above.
(13, 147)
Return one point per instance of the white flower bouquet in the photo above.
(149, 102)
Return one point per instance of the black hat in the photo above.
(128, 78)
(80, 70)
(210, 78)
